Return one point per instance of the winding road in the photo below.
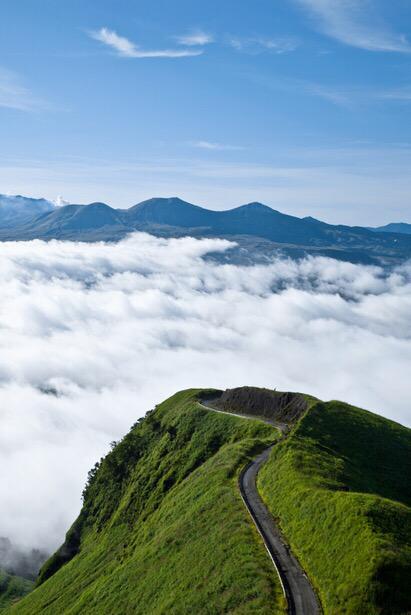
(300, 595)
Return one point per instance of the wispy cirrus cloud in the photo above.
(340, 94)
(215, 146)
(195, 38)
(127, 49)
(355, 23)
(336, 96)
(14, 95)
(400, 94)
(259, 44)
(347, 96)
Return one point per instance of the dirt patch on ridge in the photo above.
(272, 405)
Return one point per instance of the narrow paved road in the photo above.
(300, 595)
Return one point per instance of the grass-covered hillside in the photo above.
(163, 528)
(340, 485)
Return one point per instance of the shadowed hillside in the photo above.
(263, 403)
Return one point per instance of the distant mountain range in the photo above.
(394, 227)
(259, 231)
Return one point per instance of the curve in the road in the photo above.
(300, 595)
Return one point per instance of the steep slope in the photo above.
(163, 528)
(283, 408)
(340, 485)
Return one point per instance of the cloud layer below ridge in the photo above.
(93, 335)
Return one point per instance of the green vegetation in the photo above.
(163, 528)
(12, 588)
(340, 487)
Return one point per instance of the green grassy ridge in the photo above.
(163, 528)
(340, 487)
(12, 588)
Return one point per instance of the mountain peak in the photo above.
(173, 201)
(99, 205)
(257, 206)
(171, 211)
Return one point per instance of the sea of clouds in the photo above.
(94, 335)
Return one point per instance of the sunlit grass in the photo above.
(340, 485)
(163, 528)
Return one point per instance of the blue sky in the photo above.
(301, 104)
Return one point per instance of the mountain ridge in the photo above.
(163, 527)
(260, 231)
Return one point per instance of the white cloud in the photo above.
(59, 201)
(109, 330)
(337, 96)
(349, 96)
(212, 145)
(195, 38)
(14, 95)
(341, 94)
(259, 44)
(128, 49)
(399, 94)
(355, 23)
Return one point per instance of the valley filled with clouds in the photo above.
(94, 335)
